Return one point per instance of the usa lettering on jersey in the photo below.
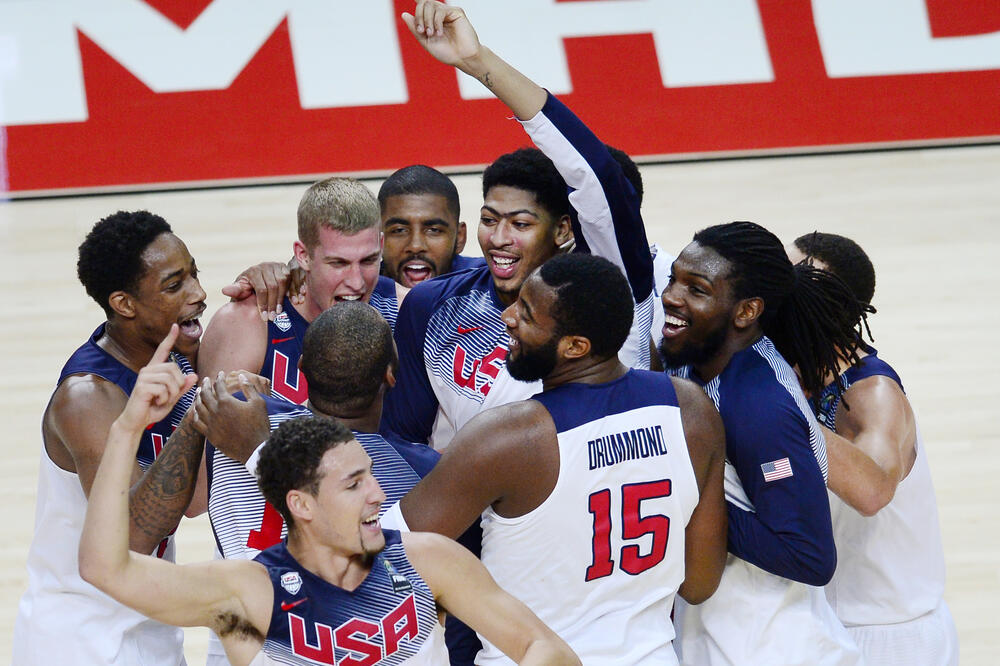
(367, 642)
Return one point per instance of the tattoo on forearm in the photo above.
(160, 498)
(487, 80)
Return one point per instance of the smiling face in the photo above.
(534, 341)
(422, 237)
(698, 307)
(346, 503)
(167, 293)
(341, 267)
(517, 235)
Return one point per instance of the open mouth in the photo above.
(416, 271)
(673, 325)
(191, 327)
(371, 523)
(503, 266)
(351, 297)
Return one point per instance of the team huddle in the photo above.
(577, 449)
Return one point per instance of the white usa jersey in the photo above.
(452, 344)
(600, 560)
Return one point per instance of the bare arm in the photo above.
(235, 339)
(705, 536)
(80, 418)
(873, 449)
(448, 35)
(463, 587)
(210, 594)
(498, 458)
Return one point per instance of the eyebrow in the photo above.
(673, 270)
(522, 211)
(359, 472)
(170, 276)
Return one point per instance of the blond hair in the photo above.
(341, 204)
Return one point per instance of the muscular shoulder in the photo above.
(511, 427)
(85, 400)
(235, 339)
(873, 400)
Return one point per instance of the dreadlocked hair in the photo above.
(804, 313)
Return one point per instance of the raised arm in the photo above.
(463, 587)
(876, 449)
(213, 594)
(705, 535)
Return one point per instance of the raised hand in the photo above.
(444, 31)
(270, 282)
(158, 387)
(235, 427)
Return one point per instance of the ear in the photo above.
(460, 238)
(301, 254)
(300, 505)
(564, 230)
(573, 347)
(390, 377)
(748, 312)
(122, 304)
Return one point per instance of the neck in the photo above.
(366, 420)
(332, 565)
(733, 345)
(126, 348)
(593, 372)
(309, 309)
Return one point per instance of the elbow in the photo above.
(696, 594)
(872, 502)
(92, 570)
(820, 570)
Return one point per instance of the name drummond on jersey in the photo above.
(628, 445)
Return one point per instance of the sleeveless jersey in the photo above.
(286, 333)
(891, 565)
(391, 618)
(103, 631)
(780, 536)
(599, 561)
(245, 524)
(453, 345)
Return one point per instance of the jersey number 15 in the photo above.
(633, 527)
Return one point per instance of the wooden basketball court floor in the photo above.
(930, 220)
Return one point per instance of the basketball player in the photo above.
(340, 248)
(349, 361)
(339, 589)
(143, 277)
(424, 234)
(600, 496)
(889, 585)
(452, 341)
(731, 290)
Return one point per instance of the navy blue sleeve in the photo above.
(411, 406)
(789, 533)
(607, 220)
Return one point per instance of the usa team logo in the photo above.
(283, 322)
(291, 582)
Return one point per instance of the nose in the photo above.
(354, 278)
(509, 317)
(375, 493)
(501, 235)
(670, 296)
(417, 243)
(197, 294)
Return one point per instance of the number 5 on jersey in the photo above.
(634, 526)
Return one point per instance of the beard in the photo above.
(693, 353)
(534, 364)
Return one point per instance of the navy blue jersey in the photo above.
(384, 300)
(461, 263)
(284, 348)
(779, 514)
(825, 405)
(90, 359)
(386, 620)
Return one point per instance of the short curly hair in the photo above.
(530, 170)
(110, 257)
(593, 299)
(290, 459)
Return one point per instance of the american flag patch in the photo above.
(776, 469)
